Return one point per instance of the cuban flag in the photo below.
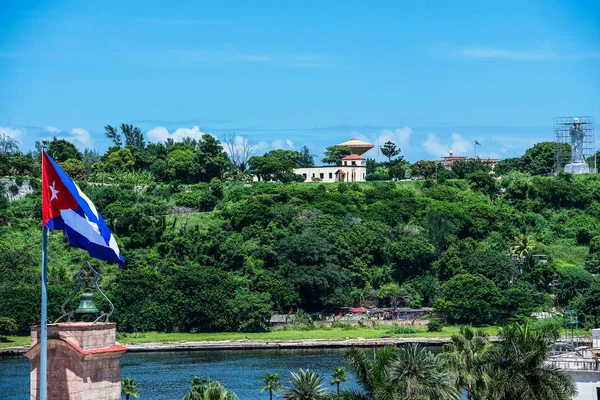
(65, 207)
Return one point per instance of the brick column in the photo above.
(84, 361)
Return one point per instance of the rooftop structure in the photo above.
(357, 146)
(447, 161)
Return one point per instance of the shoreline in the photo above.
(247, 344)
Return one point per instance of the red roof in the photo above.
(354, 157)
(339, 171)
(358, 310)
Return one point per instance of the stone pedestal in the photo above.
(84, 361)
(577, 168)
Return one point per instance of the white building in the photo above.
(353, 169)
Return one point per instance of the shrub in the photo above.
(8, 326)
(403, 330)
(19, 180)
(435, 325)
(377, 176)
(13, 189)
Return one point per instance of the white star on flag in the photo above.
(54, 191)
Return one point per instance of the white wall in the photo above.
(587, 382)
(353, 173)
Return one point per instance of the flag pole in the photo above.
(43, 371)
(44, 324)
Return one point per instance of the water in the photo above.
(166, 375)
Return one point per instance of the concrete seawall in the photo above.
(261, 344)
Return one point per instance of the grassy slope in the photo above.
(334, 333)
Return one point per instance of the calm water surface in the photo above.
(167, 375)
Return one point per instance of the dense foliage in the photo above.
(206, 253)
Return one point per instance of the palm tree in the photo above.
(129, 388)
(205, 389)
(271, 383)
(306, 385)
(465, 356)
(372, 374)
(339, 376)
(418, 374)
(410, 372)
(522, 245)
(520, 370)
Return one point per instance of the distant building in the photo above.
(447, 161)
(353, 168)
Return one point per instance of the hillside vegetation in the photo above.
(206, 252)
(316, 247)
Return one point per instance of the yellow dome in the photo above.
(357, 146)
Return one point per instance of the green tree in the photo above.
(519, 369)
(465, 355)
(306, 159)
(271, 383)
(60, 150)
(113, 134)
(337, 377)
(181, 165)
(211, 159)
(483, 182)
(305, 385)
(118, 160)
(74, 168)
(373, 374)
(133, 136)
(409, 372)
(204, 389)
(275, 164)
(129, 388)
(417, 373)
(541, 158)
(425, 169)
(522, 246)
(90, 156)
(334, 154)
(8, 326)
(508, 165)
(592, 260)
(389, 150)
(572, 282)
(469, 298)
(492, 264)
(521, 299)
(462, 168)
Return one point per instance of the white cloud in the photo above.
(282, 144)
(493, 52)
(14, 133)
(433, 146)
(459, 145)
(399, 136)
(542, 53)
(82, 136)
(262, 146)
(52, 129)
(161, 134)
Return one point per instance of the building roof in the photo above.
(357, 146)
(340, 171)
(354, 157)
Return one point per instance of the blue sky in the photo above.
(428, 75)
